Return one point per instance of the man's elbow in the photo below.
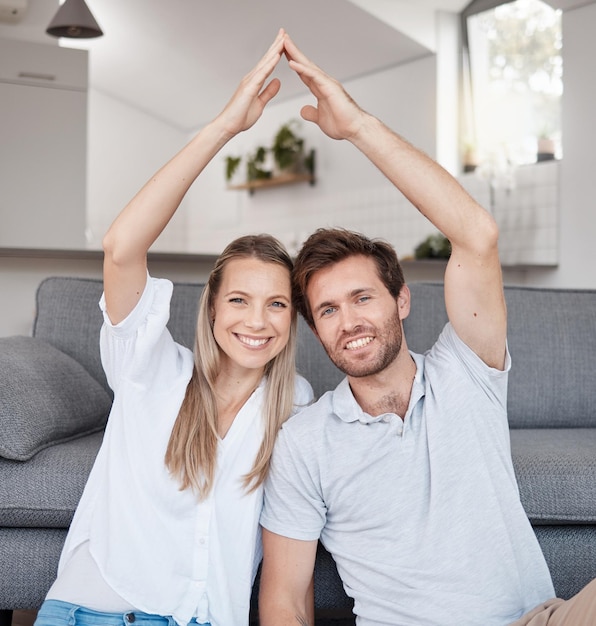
(276, 612)
(482, 239)
(282, 606)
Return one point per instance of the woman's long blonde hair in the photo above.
(191, 455)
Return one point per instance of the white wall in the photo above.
(125, 147)
(349, 192)
(578, 181)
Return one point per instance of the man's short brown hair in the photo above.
(328, 246)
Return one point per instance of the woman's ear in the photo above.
(403, 302)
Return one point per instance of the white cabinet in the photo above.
(43, 145)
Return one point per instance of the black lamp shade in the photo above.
(74, 20)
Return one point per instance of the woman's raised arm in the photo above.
(143, 219)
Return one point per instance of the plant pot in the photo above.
(546, 149)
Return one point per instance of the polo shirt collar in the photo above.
(348, 410)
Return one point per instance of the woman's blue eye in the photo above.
(236, 300)
(279, 304)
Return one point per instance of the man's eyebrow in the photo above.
(355, 292)
(323, 305)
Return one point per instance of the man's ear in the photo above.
(403, 302)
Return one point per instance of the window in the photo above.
(513, 80)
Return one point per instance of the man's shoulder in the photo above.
(313, 417)
(450, 351)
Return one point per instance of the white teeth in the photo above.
(253, 342)
(359, 343)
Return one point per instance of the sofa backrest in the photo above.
(551, 335)
(68, 317)
(552, 340)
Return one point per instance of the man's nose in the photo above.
(349, 319)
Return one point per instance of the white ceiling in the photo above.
(180, 60)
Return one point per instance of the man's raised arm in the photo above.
(473, 281)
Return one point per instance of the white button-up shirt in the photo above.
(156, 546)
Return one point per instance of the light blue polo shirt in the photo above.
(422, 516)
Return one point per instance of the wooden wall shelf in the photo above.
(277, 181)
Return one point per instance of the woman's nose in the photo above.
(255, 318)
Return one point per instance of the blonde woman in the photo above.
(167, 528)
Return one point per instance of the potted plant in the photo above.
(255, 165)
(232, 168)
(288, 148)
(435, 246)
(470, 158)
(546, 148)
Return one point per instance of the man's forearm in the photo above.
(279, 609)
(426, 184)
(278, 616)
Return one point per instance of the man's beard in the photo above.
(388, 340)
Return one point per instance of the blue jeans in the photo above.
(58, 613)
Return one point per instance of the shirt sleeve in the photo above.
(303, 394)
(293, 503)
(457, 358)
(140, 345)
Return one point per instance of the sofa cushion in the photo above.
(553, 351)
(45, 397)
(556, 474)
(45, 491)
(67, 315)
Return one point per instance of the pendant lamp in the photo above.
(74, 20)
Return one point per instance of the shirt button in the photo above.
(130, 618)
(202, 541)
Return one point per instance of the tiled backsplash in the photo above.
(527, 213)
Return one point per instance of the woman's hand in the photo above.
(250, 98)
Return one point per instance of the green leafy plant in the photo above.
(435, 246)
(309, 162)
(287, 146)
(286, 154)
(232, 164)
(254, 165)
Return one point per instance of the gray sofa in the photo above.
(54, 401)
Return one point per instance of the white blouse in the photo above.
(157, 547)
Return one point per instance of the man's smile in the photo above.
(358, 343)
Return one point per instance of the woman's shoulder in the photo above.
(303, 393)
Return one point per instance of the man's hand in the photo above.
(336, 114)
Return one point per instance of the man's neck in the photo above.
(388, 391)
